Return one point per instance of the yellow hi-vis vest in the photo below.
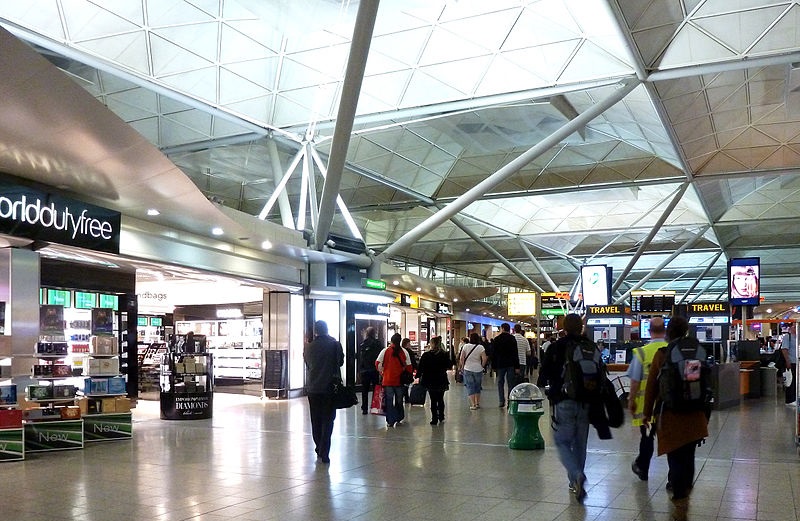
(645, 354)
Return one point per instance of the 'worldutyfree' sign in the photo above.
(34, 214)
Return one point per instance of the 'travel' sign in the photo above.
(710, 307)
(34, 214)
(606, 310)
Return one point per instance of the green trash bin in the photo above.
(525, 406)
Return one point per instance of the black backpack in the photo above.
(583, 372)
(684, 381)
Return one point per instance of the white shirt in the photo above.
(523, 348)
(471, 355)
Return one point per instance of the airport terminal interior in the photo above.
(238, 169)
(255, 461)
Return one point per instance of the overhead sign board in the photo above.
(522, 304)
(554, 304)
(38, 215)
(373, 284)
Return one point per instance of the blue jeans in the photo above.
(504, 374)
(570, 433)
(472, 381)
(394, 404)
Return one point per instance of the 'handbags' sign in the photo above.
(34, 214)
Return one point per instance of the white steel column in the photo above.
(280, 186)
(351, 89)
(654, 271)
(538, 266)
(505, 262)
(646, 242)
(701, 277)
(283, 198)
(508, 170)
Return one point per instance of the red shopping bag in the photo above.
(378, 405)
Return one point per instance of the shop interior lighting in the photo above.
(217, 231)
(467, 310)
(455, 300)
(769, 310)
(152, 212)
(441, 295)
(419, 289)
(266, 245)
(396, 282)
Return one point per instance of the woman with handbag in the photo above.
(392, 362)
(432, 374)
(472, 361)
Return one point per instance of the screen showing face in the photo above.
(744, 282)
(595, 285)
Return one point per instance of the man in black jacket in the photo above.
(368, 352)
(323, 357)
(570, 419)
(505, 361)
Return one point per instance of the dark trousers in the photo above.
(437, 403)
(646, 447)
(791, 391)
(368, 381)
(323, 413)
(681, 470)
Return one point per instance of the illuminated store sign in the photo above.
(373, 284)
(33, 214)
(607, 310)
(709, 308)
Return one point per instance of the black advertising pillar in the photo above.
(131, 308)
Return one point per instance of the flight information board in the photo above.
(652, 302)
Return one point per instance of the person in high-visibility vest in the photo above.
(637, 372)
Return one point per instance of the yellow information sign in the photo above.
(522, 304)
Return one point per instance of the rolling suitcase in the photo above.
(417, 394)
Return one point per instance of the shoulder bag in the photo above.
(343, 397)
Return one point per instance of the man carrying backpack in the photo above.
(570, 407)
(637, 372)
(678, 398)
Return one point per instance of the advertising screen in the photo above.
(596, 285)
(744, 275)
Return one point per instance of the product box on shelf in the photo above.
(103, 345)
(41, 413)
(62, 371)
(8, 394)
(95, 386)
(103, 366)
(42, 371)
(52, 348)
(108, 405)
(10, 418)
(64, 391)
(116, 385)
(70, 412)
(83, 405)
(122, 404)
(40, 392)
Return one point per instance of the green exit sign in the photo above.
(373, 284)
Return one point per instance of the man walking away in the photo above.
(323, 357)
(506, 361)
(570, 421)
(523, 349)
(637, 372)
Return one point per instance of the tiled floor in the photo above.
(255, 461)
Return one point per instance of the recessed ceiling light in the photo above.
(266, 245)
(769, 310)
(396, 282)
(419, 289)
(441, 295)
(217, 231)
(455, 300)
(467, 310)
(153, 212)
